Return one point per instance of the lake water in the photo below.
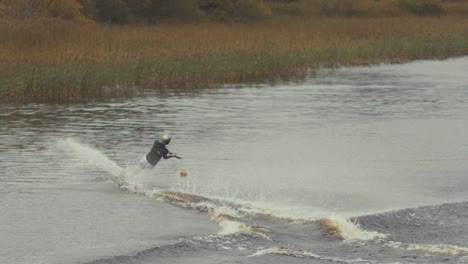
(351, 165)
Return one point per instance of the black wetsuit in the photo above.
(157, 152)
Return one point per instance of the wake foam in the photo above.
(433, 249)
(303, 254)
(346, 230)
(183, 246)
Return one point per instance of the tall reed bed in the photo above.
(58, 61)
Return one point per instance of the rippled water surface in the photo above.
(352, 165)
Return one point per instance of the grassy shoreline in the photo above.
(50, 61)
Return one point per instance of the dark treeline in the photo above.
(153, 11)
(139, 11)
(224, 11)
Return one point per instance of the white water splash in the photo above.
(125, 178)
(251, 203)
(350, 231)
(230, 227)
(91, 156)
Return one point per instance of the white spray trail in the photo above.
(91, 156)
(126, 178)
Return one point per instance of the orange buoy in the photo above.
(183, 173)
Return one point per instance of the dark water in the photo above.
(353, 165)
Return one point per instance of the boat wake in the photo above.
(245, 223)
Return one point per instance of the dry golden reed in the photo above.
(47, 60)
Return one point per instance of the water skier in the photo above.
(157, 152)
